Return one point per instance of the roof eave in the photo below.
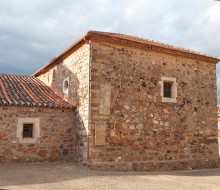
(54, 60)
(41, 106)
(183, 52)
(89, 33)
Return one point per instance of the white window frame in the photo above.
(36, 130)
(66, 90)
(173, 97)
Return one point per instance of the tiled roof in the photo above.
(130, 38)
(21, 90)
(147, 42)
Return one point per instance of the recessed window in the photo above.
(28, 130)
(168, 89)
(54, 75)
(66, 85)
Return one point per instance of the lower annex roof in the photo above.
(20, 90)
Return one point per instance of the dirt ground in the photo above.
(62, 176)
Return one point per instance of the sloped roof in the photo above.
(149, 42)
(19, 90)
(129, 38)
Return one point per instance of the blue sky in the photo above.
(33, 32)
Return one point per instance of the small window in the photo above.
(54, 75)
(66, 85)
(28, 130)
(168, 89)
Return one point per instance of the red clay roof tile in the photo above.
(126, 37)
(148, 42)
(20, 90)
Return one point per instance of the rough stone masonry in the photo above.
(56, 135)
(124, 122)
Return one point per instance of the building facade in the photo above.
(141, 105)
(114, 102)
(35, 123)
(218, 112)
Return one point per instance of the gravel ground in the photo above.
(62, 176)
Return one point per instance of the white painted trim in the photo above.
(173, 90)
(66, 90)
(36, 131)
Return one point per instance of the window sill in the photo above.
(28, 140)
(169, 100)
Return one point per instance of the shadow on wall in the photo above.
(73, 88)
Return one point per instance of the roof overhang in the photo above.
(125, 39)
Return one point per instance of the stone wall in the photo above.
(75, 67)
(56, 141)
(132, 129)
(218, 127)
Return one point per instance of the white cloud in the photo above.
(33, 32)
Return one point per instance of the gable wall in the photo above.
(138, 130)
(76, 67)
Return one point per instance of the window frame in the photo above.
(35, 132)
(173, 97)
(167, 89)
(25, 134)
(66, 89)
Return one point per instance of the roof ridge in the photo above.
(179, 51)
(156, 43)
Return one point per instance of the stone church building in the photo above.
(114, 102)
